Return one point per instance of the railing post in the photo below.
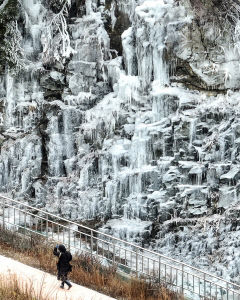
(137, 263)
(3, 208)
(69, 236)
(227, 291)
(114, 254)
(159, 269)
(14, 216)
(183, 279)
(47, 227)
(25, 220)
(204, 279)
(91, 244)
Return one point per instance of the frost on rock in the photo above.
(125, 115)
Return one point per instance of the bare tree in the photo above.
(56, 38)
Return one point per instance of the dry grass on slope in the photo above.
(12, 289)
(87, 271)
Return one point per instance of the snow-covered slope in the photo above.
(125, 114)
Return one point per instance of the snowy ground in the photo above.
(44, 283)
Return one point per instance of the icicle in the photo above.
(192, 132)
(222, 148)
(199, 178)
(129, 51)
(89, 9)
(10, 103)
(113, 17)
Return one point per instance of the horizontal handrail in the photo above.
(123, 242)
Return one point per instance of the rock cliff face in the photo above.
(125, 114)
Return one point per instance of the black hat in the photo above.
(62, 248)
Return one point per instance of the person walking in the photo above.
(63, 265)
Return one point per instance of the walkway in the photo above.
(44, 283)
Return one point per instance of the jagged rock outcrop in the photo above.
(126, 114)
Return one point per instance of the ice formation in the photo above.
(142, 141)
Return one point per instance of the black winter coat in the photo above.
(63, 264)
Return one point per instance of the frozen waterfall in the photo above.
(125, 115)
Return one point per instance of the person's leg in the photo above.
(67, 282)
(63, 278)
(58, 276)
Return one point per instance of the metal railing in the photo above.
(129, 258)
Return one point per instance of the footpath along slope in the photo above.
(44, 283)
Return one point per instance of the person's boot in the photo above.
(68, 283)
(62, 286)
